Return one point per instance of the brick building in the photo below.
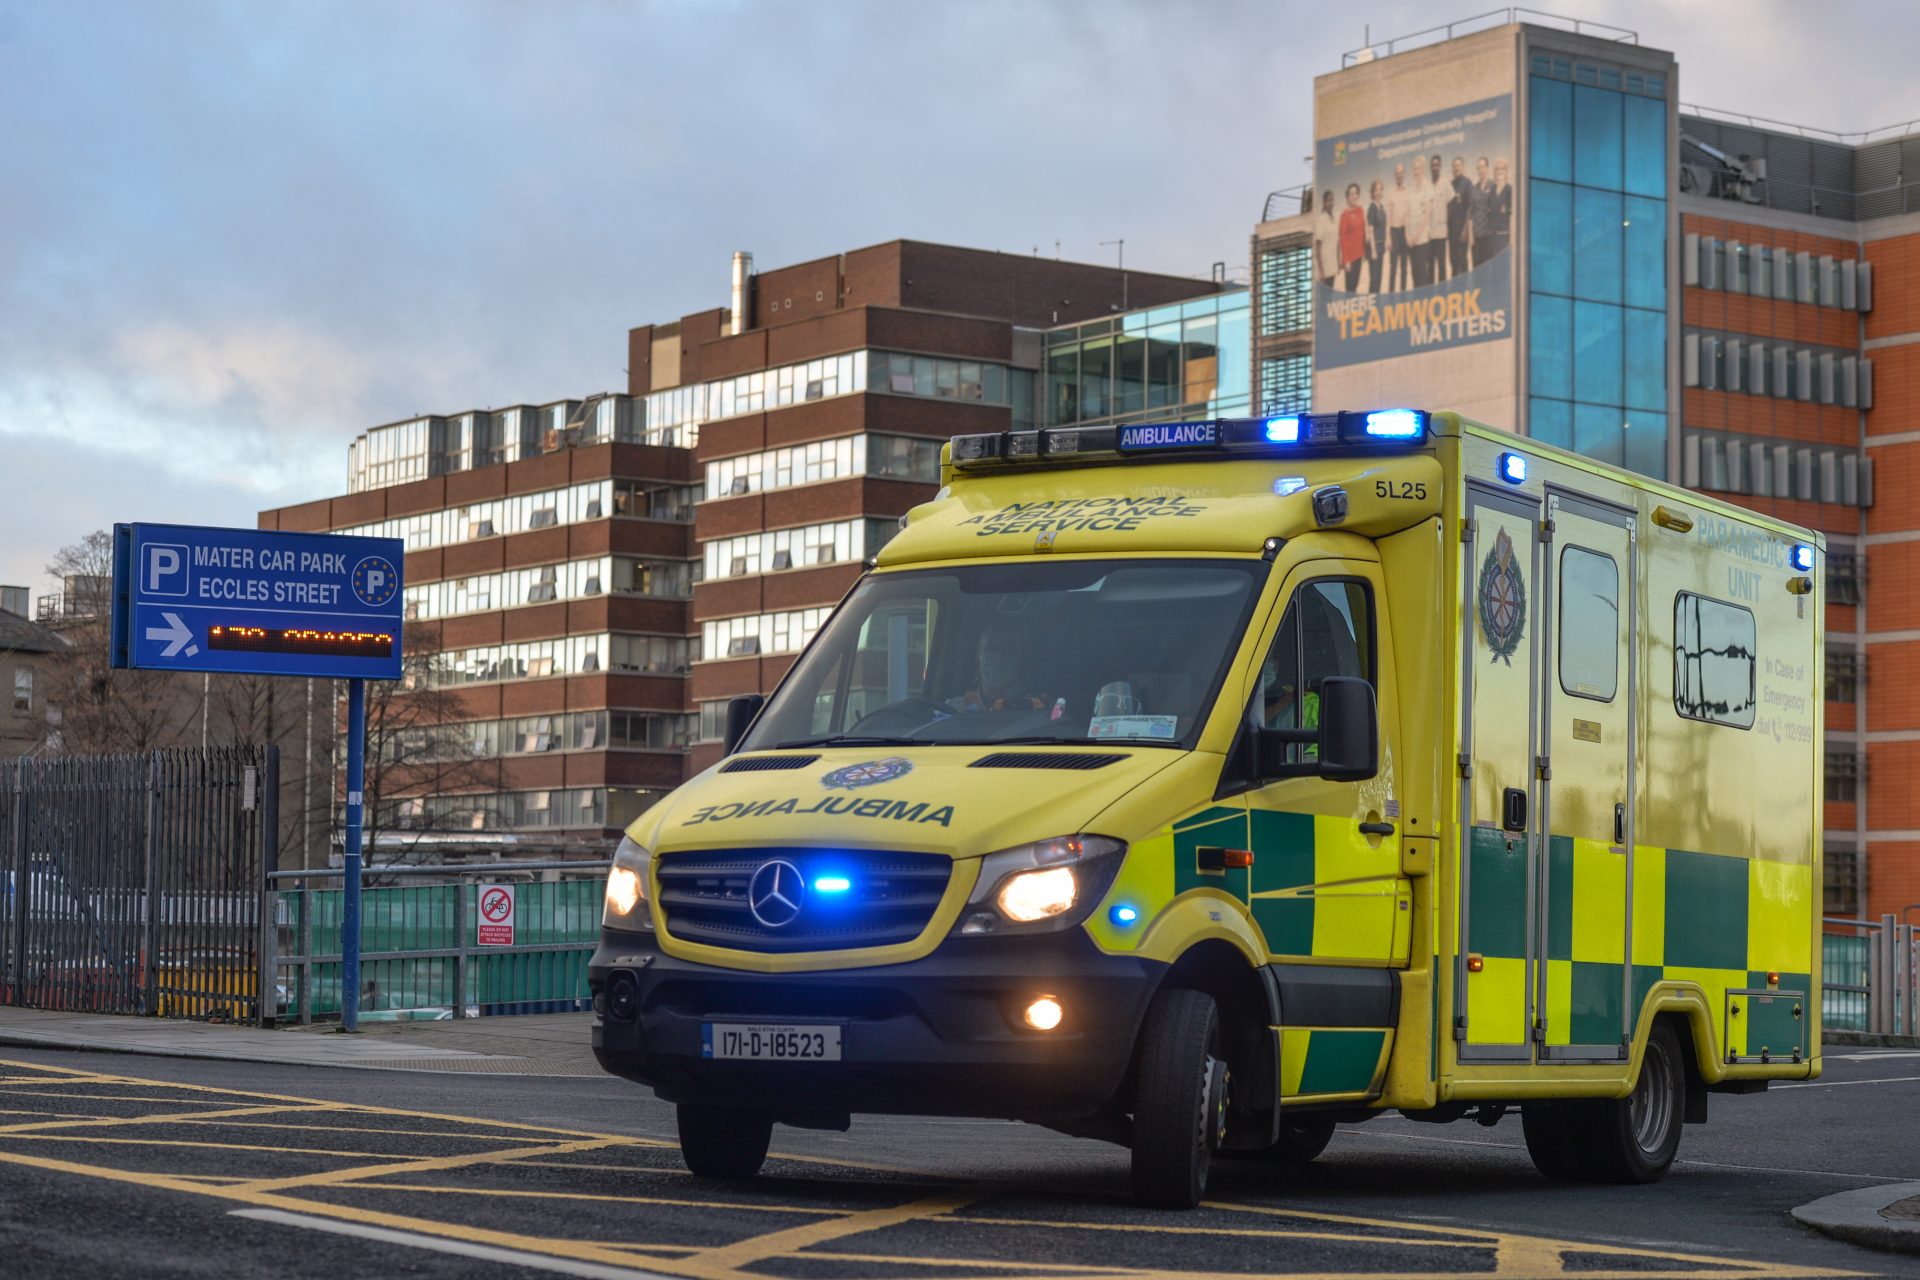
(591, 581)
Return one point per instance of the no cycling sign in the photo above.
(496, 915)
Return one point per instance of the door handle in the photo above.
(1513, 809)
(1620, 824)
(1376, 828)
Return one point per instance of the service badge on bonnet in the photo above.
(868, 772)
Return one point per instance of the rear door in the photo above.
(1499, 766)
(1587, 700)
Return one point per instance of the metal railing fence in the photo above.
(131, 884)
(420, 950)
(1870, 976)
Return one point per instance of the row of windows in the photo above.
(1198, 361)
(1845, 770)
(832, 543)
(1600, 75)
(785, 632)
(1598, 136)
(894, 457)
(1719, 362)
(574, 504)
(1769, 469)
(533, 735)
(566, 656)
(1846, 668)
(1762, 271)
(1634, 439)
(433, 446)
(543, 584)
(523, 810)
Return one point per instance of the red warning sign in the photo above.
(496, 915)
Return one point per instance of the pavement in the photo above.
(240, 1151)
(557, 1044)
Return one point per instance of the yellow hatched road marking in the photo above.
(1514, 1255)
(516, 1193)
(194, 1145)
(733, 1258)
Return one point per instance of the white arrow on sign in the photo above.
(176, 633)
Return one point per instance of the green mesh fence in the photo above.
(1843, 964)
(556, 924)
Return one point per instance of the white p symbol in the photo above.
(376, 581)
(163, 562)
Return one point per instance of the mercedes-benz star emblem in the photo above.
(774, 893)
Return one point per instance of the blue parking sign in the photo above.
(258, 602)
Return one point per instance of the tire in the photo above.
(1302, 1139)
(724, 1142)
(1551, 1129)
(1180, 1107)
(1630, 1140)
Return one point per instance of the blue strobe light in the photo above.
(832, 884)
(1123, 915)
(1513, 468)
(1284, 430)
(1801, 557)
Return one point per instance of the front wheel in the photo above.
(724, 1142)
(1180, 1108)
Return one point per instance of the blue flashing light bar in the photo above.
(1397, 424)
(832, 884)
(1289, 433)
(1512, 468)
(1801, 557)
(1123, 915)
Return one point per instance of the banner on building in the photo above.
(1412, 232)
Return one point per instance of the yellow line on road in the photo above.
(739, 1205)
(101, 1122)
(428, 1164)
(202, 1146)
(737, 1256)
(1157, 1228)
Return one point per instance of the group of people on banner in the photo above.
(1425, 229)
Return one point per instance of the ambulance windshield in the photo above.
(1078, 651)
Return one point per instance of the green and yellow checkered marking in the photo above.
(1721, 921)
(1320, 1061)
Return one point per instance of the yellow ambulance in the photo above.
(1201, 786)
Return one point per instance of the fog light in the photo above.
(1044, 1014)
(623, 996)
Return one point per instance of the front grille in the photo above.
(1045, 760)
(889, 898)
(755, 764)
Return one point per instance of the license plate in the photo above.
(770, 1042)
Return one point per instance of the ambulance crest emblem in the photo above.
(1502, 600)
(868, 773)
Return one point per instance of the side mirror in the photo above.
(1346, 743)
(1349, 730)
(740, 714)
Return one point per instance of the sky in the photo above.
(232, 236)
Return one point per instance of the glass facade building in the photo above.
(1598, 254)
(1187, 360)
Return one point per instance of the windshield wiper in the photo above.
(850, 740)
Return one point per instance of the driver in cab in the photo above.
(1000, 677)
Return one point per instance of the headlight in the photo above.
(1049, 884)
(627, 887)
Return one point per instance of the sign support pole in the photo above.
(350, 909)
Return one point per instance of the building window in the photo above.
(1597, 263)
(1844, 573)
(1844, 668)
(1843, 777)
(1286, 290)
(22, 691)
(1286, 384)
(713, 721)
(1840, 874)
(1191, 359)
